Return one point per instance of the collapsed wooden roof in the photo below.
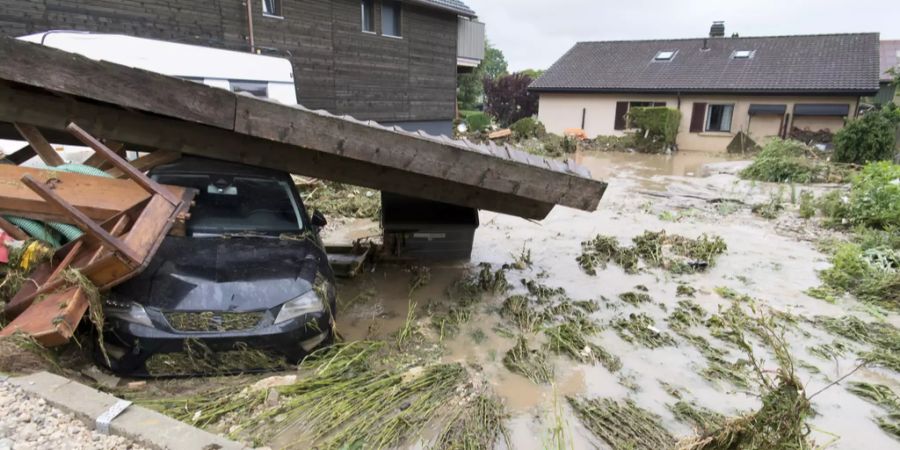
(49, 88)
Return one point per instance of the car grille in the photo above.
(213, 321)
(196, 359)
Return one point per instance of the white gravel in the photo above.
(29, 423)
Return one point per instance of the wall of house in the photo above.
(337, 67)
(561, 111)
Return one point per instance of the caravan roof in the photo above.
(169, 58)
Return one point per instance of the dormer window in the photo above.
(742, 54)
(665, 55)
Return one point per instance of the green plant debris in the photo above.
(519, 311)
(528, 362)
(702, 419)
(477, 425)
(622, 425)
(687, 314)
(883, 337)
(829, 352)
(641, 329)
(807, 207)
(781, 421)
(212, 321)
(197, 358)
(770, 209)
(571, 338)
(785, 161)
(542, 293)
(419, 276)
(523, 260)
(20, 353)
(670, 389)
(685, 290)
(884, 397)
(731, 294)
(872, 274)
(635, 298)
(718, 368)
(465, 294)
(73, 277)
(340, 200)
(674, 253)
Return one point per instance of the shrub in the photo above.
(872, 274)
(657, 124)
(875, 196)
(871, 137)
(527, 128)
(508, 99)
(478, 122)
(782, 161)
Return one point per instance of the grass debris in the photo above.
(477, 425)
(884, 397)
(883, 337)
(641, 329)
(788, 161)
(571, 338)
(340, 200)
(530, 363)
(674, 253)
(702, 419)
(622, 425)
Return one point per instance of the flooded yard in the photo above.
(666, 368)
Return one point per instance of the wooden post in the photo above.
(119, 163)
(39, 144)
(82, 221)
(21, 155)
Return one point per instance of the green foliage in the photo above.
(533, 73)
(478, 122)
(527, 128)
(871, 137)
(494, 64)
(782, 161)
(872, 274)
(807, 204)
(471, 85)
(873, 201)
(657, 124)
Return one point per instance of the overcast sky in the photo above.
(535, 33)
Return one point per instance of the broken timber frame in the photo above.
(50, 305)
(48, 88)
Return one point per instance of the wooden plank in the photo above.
(99, 161)
(82, 221)
(119, 163)
(12, 230)
(70, 73)
(150, 227)
(53, 320)
(148, 161)
(21, 155)
(40, 145)
(98, 198)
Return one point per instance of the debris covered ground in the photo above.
(674, 316)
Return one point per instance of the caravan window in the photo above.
(254, 88)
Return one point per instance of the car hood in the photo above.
(224, 274)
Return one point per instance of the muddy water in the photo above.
(767, 260)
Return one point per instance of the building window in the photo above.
(665, 55)
(390, 18)
(272, 7)
(254, 88)
(718, 118)
(742, 54)
(368, 16)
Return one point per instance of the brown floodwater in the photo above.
(768, 260)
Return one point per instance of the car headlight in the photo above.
(309, 302)
(130, 312)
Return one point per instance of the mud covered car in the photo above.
(247, 288)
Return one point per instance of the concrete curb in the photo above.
(146, 427)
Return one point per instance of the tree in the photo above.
(533, 73)
(507, 98)
(471, 85)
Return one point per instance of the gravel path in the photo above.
(29, 423)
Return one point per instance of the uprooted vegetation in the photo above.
(353, 395)
(883, 338)
(335, 199)
(785, 161)
(675, 253)
(885, 398)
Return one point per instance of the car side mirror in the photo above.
(318, 219)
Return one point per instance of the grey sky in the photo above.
(535, 33)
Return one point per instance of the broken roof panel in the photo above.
(834, 63)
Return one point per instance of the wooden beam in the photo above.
(98, 198)
(119, 163)
(12, 230)
(148, 161)
(82, 221)
(40, 145)
(99, 161)
(21, 155)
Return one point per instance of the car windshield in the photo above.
(237, 204)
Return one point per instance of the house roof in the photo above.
(828, 63)
(456, 6)
(890, 57)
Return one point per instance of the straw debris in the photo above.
(702, 419)
(622, 425)
(674, 253)
(641, 329)
(530, 363)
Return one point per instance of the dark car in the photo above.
(247, 288)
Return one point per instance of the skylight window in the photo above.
(742, 54)
(665, 55)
